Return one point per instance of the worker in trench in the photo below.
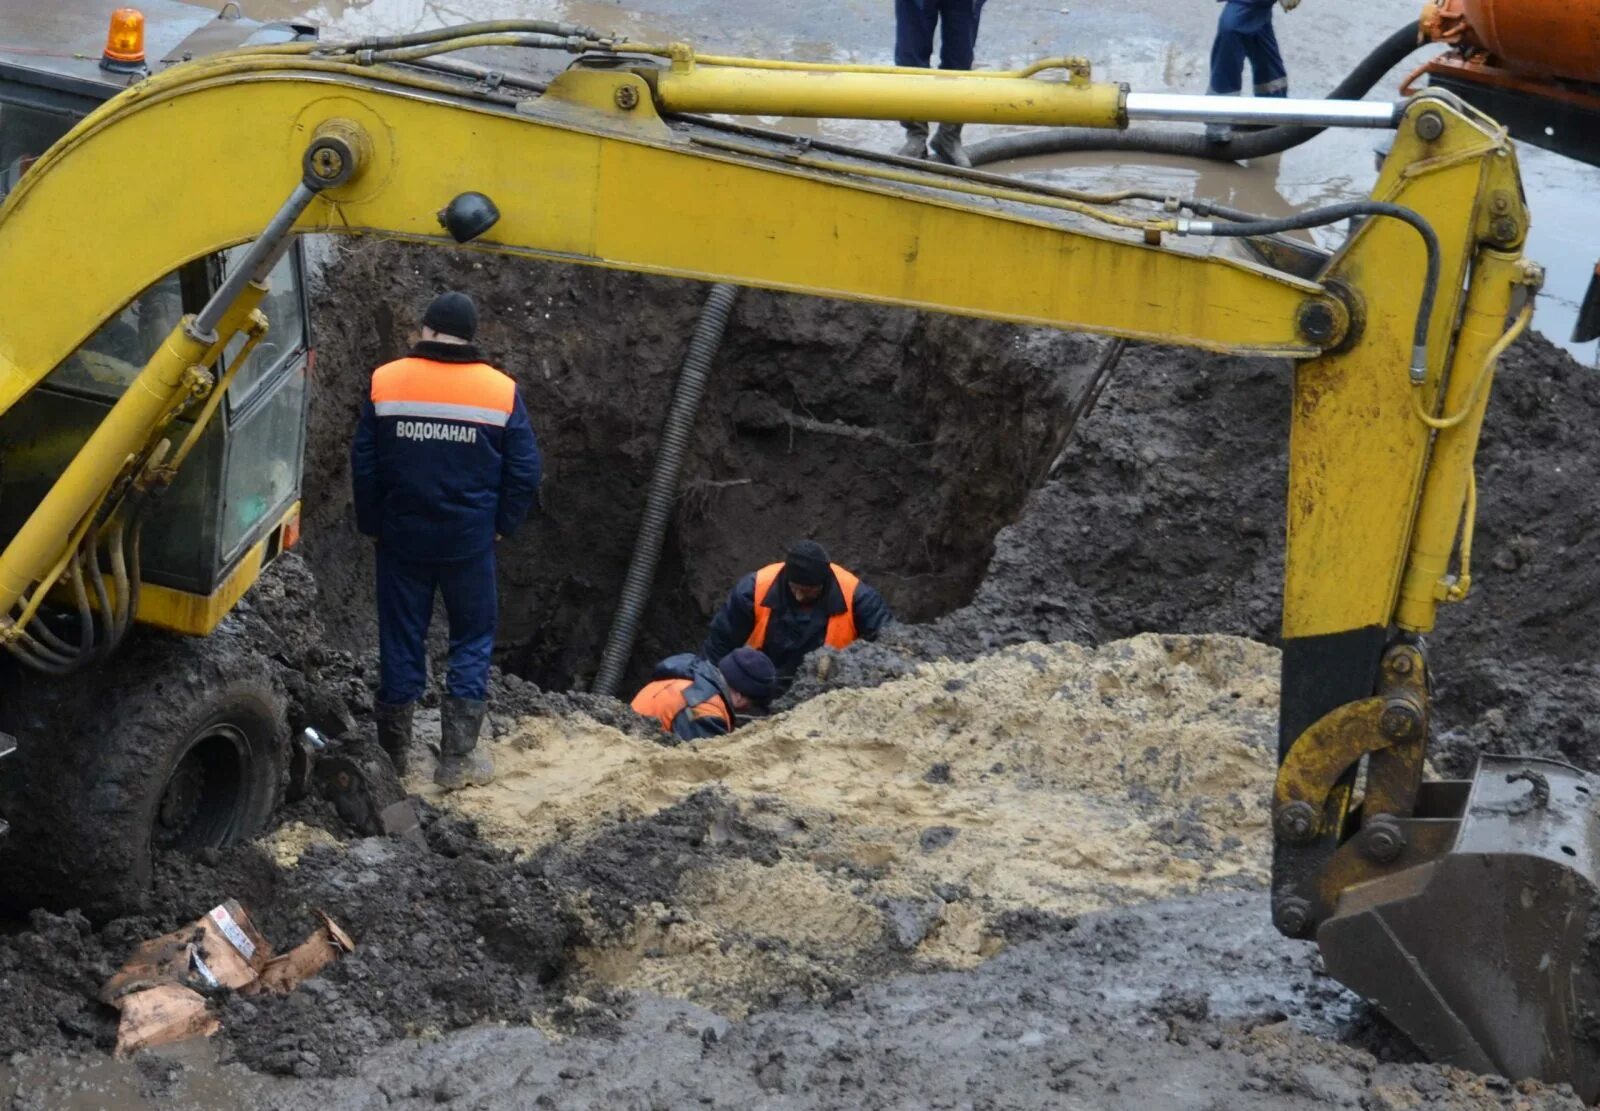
(694, 698)
(444, 466)
(1244, 32)
(791, 608)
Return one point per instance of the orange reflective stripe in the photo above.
(713, 708)
(764, 580)
(662, 700)
(426, 382)
(841, 626)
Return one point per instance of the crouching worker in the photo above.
(694, 698)
(444, 464)
(791, 608)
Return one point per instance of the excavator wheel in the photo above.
(175, 745)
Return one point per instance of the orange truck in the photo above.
(1533, 65)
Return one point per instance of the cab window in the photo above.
(110, 359)
(286, 333)
(25, 134)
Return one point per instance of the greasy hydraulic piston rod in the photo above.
(1078, 102)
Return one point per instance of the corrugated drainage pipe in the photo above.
(1192, 144)
(663, 493)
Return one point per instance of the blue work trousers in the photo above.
(405, 609)
(916, 20)
(1245, 32)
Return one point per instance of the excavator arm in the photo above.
(1394, 339)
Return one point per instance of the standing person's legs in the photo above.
(958, 43)
(958, 36)
(914, 22)
(1228, 50)
(1227, 61)
(1267, 70)
(472, 604)
(405, 607)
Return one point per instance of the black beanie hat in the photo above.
(452, 314)
(750, 672)
(806, 563)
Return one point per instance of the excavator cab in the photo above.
(192, 726)
(235, 505)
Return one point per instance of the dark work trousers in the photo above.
(405, 608)
(915, 22)
(1245, 32)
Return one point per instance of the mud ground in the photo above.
(612, 944)
(627, 942)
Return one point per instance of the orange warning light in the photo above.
(125, 40)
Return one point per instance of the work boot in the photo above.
(394, 732)
(947, 148)
(460, 763)
(916, 144)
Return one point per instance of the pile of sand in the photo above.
(914, 816)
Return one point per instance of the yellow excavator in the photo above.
(152, 388)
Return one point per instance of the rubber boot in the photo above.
(394, 732)
(460, 762)
(916, 144)
(947, 148)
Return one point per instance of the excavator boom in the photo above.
(1394, 337)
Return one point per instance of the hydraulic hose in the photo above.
(663, 493)
(1191, 144)
(462, 30)
(1332, 214)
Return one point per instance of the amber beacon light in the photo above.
(124, 52)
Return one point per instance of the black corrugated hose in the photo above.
(663, 493)
(1193, 144)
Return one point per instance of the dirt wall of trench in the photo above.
(1168, 514)
(938, 427)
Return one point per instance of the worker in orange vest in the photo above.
(444, 464)
(788, 609)
(694, 698)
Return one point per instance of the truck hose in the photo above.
(663, 494)
(1191, 144)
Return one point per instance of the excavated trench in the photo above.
(902, 441)
(997, 824)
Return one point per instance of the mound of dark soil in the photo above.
(459, 934)
(1168, 514)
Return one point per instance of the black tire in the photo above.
(174, 745)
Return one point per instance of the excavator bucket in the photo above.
(1588, 323)
(1486, 955)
